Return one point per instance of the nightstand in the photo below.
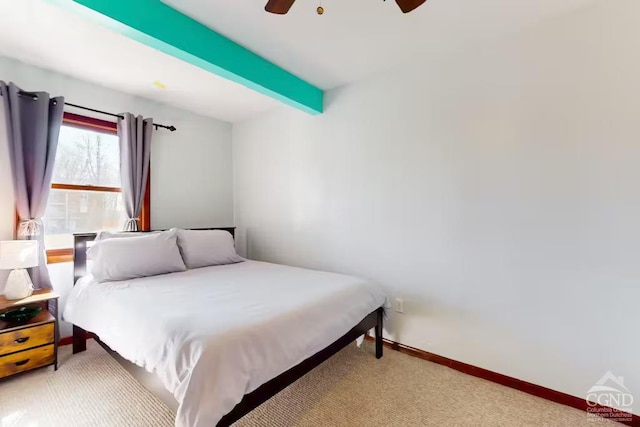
(33, 344)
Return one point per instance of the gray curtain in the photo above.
(135, 148)
(33, 123)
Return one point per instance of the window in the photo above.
(85, 191)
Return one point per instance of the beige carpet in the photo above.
(88, 389)
(351, 389)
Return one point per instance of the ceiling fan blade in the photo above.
(408, 5)
(279, 6)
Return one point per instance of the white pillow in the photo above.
(201, 248)
(131, 257)
(104, 235)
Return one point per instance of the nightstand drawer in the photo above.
(26, 360)
(26, 338)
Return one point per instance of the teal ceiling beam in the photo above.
(161, 27)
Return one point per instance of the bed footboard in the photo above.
(378, 332)
(79, 339)
(271, 388)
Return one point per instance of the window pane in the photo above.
(85, 157)
(73, 211)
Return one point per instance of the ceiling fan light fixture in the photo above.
(407, 6)
(279, 7)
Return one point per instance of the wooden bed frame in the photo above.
(267, 390)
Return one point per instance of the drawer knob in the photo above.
(21, 340)
(22, 362)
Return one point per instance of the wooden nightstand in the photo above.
(33, 344)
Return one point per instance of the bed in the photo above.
(223, 350)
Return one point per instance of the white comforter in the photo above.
(214, 334)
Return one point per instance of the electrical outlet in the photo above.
(399, 305)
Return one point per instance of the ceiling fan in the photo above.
(282, 6)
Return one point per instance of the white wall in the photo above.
(191, 169)
(496, 191)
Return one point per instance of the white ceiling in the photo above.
(352, 40)
(38, 33)
(358, 38)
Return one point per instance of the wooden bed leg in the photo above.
(378, 331)
(79, 339)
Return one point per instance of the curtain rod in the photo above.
(35, 96)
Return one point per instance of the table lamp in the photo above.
(17, 255)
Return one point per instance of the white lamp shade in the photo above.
(18, 254)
